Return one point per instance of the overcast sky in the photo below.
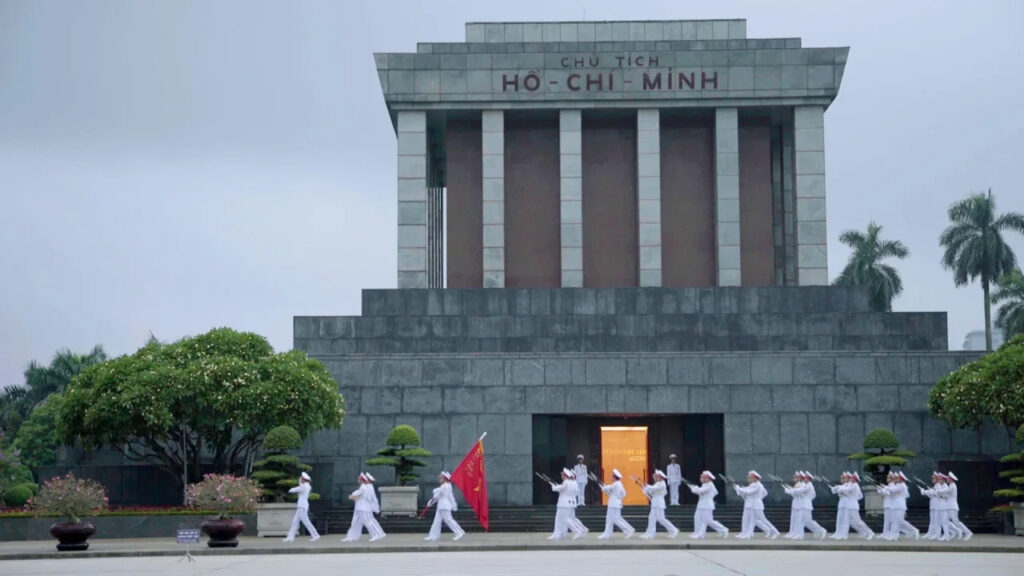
(176, 166)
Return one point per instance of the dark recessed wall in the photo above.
(610, 243)
(687, 202)
(757, 255)
(463, 141)
(532, 188)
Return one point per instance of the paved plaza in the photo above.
(657, 562)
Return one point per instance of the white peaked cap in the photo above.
(953, 476)
(708, 474)
(671, 455)
(567, 472)
(370, 477)
(855, 475)
(806, 474)
(579, 456)
(616, 473)
(362, 476)
(754, 474)
(937, 473)
(305, 477)
(901, 475)
(660, 473)
(446, 474)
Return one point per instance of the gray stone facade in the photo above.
(795, 407)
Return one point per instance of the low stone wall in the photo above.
(15, 529)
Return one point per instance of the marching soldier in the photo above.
(895, 496)
(580, 472)
(753, 495)
(445, 500)
(302, 511)
(363, 514)
(564, 506)
(954, 506)
(613, 517)
(376, 532)
(675, 478)
(935, 504)
(577, 527)
(704, 515)
(801, 516)
(656, 493)
(848, 509)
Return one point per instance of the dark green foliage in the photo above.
(37, 438)
(1010, 292)
(865, 267)
(988, 389)
(974, 246)
(402, 453)
(17, 496)
(279, 471)
(881, 453)
(1015, 473)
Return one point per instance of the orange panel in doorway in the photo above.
(625, 448)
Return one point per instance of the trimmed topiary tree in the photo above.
(881, 452)
(279, 471)
(1015, 474)
(402, 453)
(18, 496)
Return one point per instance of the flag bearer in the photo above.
(445, 500)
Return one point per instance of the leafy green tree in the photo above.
(12, 471)
(1016, 472)
(866, 267)
(37, 438)
(17, 402)
(881, 452)
(216, 394)
(278, 471)
(974, 246)
(402, 452)
(988, 389)
(1010, 292)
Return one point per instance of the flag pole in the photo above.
(482, 436)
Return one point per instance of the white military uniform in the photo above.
(954, 507)
(580, 472)
(445, 500)
(302, 511)
(935, 511)
(613, 517)
(753, 495)
(566, 504)
(675, 478)
(656, 493)
(895, 500)
(848, 511)
(363, 514)
(373, 526)
(577, 527)
(704, 515)
(801, 511)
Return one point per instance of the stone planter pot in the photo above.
(72, 536)
(399, 500)
(274, 519)
(223, 533)
(872, 501)
(1018, 517)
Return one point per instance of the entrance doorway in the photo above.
(624, 448)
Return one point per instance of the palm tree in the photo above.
(865, 267)
(45, 380)
(1010, 316)
(975, 247)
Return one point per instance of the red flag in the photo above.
(471, 478)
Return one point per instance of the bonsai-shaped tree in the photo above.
(279, 471)
(881, 453)
(1016, 474)
(403, 449)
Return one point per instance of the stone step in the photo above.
(541, 519)
(598, 301)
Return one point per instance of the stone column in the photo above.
(493, 130)
(811, 234)
(412, 199)
(648, 148)
(570, 128)
(727, 196)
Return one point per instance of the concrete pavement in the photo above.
(494, 542)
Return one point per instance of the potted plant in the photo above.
(1016, 477)
(70, 498)
(276, 473)
(225, 494)
(881, 452)
(401, 453)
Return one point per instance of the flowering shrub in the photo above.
(225, 494)
(69, 497)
